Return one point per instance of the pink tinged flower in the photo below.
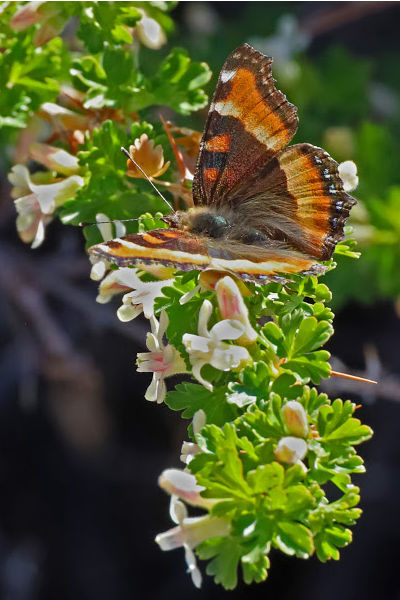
(348, 174)
(32, 13)
(26, 16)
(232, 306)
(150, 32)
(191, 531)
(161, 360)
(190, 449)
(209, 348)
(36, 203)
(55, 159)
(295, 418)
(290, 450)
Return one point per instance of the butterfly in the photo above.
(261, 208)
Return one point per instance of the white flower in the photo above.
(141, 299)
(291, 450)
(348, 174)
(190, 449)
(191, 531)
(35, 204)
(231, 306)
(163, 361)
(208, 347)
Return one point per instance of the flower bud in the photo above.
(295, 418)
(232, 306)
(290, 450)
(348, 174)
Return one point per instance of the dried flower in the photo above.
(148, 156)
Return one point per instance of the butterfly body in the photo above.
(261, 209)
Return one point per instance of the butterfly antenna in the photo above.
(125, 151)
(87, 223)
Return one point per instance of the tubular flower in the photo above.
(35, 204)
(55, 159)
(232, 306)
(163, 361)
(141, 298)
(208, 347)
(51, 19)
(148, 156)
(191, 531)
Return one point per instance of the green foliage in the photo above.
(260, 478)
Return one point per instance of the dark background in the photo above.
(80, 449)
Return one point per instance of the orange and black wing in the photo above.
(297, 199)
(249, 122)
(186, 252)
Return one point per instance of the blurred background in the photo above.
(80, 450)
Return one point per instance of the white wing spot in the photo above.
(227, 76)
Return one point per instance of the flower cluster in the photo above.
(262, 442)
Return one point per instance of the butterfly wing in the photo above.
(298, 199)
(184, 251)
(248, 123)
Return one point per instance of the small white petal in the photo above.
(39, 237)
(177, 510)
(189, 295)
(229, 329)
(120, 229)
(105, 227)
(193, 569)
(204, 316)
(196, 370)
(127, 312)
(182, 480)
(151, 392)
(98, 270)
(199, 420)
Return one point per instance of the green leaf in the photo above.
(294, 538)
(226, 553)
(191, 397)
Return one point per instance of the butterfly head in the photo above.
(200, 221)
